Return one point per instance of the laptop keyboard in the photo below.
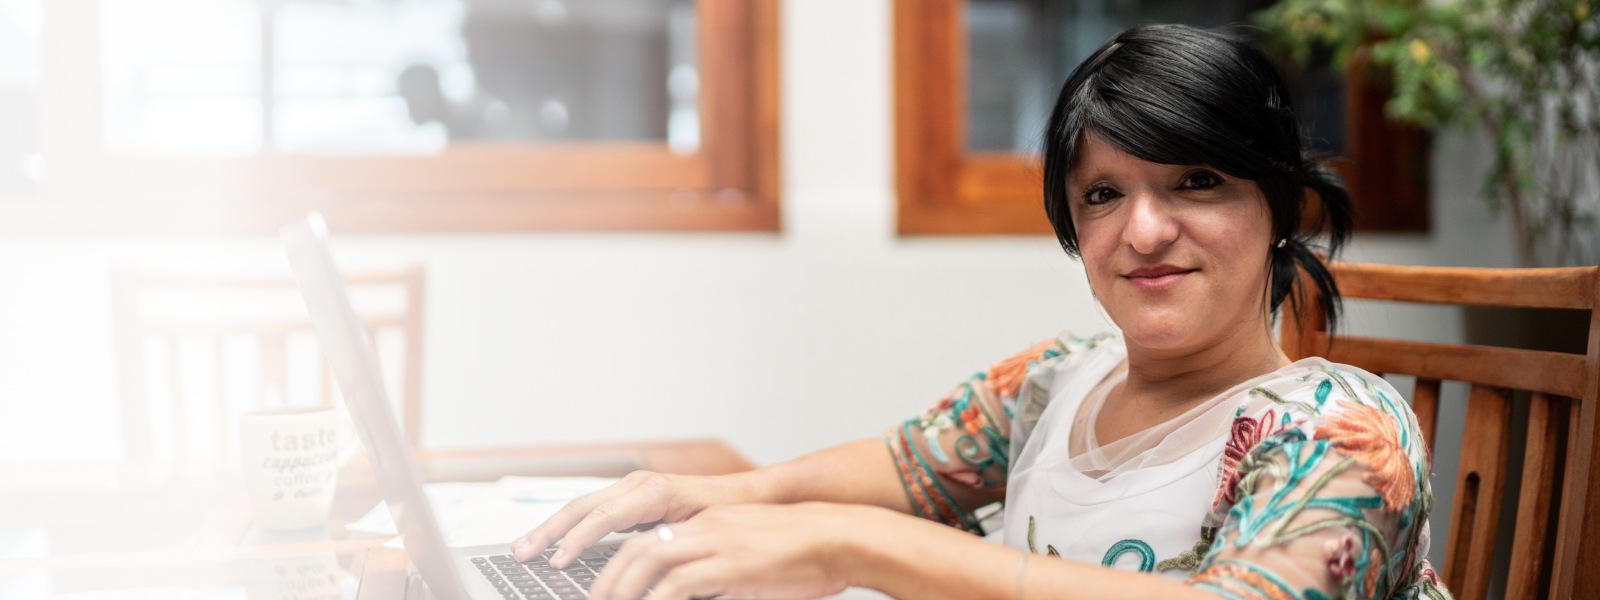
(537, 580)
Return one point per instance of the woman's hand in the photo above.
(640, 499)
(750, 550)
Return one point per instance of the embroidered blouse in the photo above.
(1307, 482)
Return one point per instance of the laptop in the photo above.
(476, 573)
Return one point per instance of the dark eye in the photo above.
(1099, 194)
(1201, 180)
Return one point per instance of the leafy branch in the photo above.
(1527, 72)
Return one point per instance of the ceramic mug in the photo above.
(291, 458)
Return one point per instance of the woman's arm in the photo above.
(940, 465)
(811, 550)
(859, 472)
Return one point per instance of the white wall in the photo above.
(831, 330)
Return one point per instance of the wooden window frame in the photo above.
(731, 183)
(944, 189)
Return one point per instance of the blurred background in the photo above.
(636, 219)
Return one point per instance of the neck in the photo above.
(1164, 381)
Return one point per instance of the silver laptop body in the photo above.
(482, 572)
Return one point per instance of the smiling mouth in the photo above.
(1157, 277)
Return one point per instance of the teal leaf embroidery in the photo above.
(1147, 555)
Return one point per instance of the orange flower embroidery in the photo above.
(973, 418)
(1370, 584)
(1229, 576)
(1373, 439)
(1005, 377)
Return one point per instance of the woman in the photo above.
(1187, 452)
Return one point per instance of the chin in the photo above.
(1159, 336)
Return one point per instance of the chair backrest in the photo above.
(1555, 545)
(196, 350)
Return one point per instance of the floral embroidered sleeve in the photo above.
(964, 439)
(1325, 494)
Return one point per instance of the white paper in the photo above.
(474, 514)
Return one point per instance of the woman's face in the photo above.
(1177, 255)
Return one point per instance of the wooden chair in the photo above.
(1555, 545)
(193, 351)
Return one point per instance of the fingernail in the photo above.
(559, 557)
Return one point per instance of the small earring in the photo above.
(1282, 242)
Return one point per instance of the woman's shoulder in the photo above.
(1027, 399)
(1315, 400)
(1038, 364)
(1316, 390)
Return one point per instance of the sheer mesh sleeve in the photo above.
(963, 440)
(1334, 506)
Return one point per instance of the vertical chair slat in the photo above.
(177, 405)
(132, 382)
(274, 378)
(224, 416)
(1425, 404)
(1546, 426)
(411, 396)
(1479, 484)
(1572, 570)
(326, 387)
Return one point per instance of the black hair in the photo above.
(1179, 95)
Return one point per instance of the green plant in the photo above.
(1527, 72)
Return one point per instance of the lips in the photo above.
(1158, 276)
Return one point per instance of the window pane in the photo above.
(20, 165)
(1020, 51)
(400, 77)
(181, 77)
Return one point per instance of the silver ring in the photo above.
(663, 533)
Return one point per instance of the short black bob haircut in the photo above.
(1178, 95)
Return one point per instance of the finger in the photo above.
(698, 579)
(641, 562)
(558, 524)
(638, 497)
(615, 515)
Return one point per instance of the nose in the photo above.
(1151, 224)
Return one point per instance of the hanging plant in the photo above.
(1526, 72)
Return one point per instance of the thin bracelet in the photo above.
(1022, 571)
